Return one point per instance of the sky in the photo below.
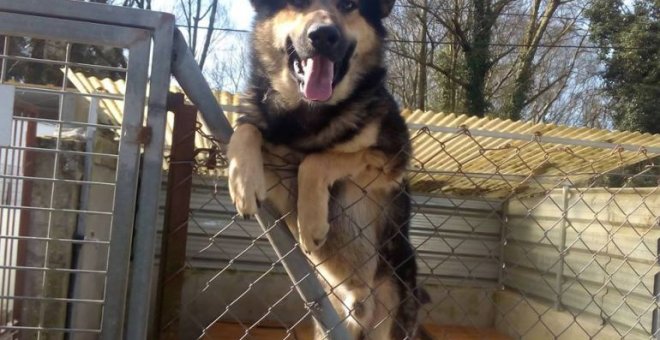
(240, 15)
(240, 11)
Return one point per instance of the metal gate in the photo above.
(70, 168)
(77, 263)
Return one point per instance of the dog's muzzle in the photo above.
(317, 58)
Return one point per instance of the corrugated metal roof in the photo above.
(463, 155)
(494, 157)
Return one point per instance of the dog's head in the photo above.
(317, 50)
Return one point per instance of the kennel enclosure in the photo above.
(522, 230)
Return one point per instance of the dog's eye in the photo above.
(346, 5)
(298, 3)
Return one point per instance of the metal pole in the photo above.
(177, 214)
(123, 215)
(190, 78)
(559, 279)
(187, 73)
(655, 324)
(139, 297)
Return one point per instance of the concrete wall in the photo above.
(458, 243)
(96, 228)
(600, 260)
(524, 317)
(65, 226)
(246, 297)
(55, 225)
(607, 264)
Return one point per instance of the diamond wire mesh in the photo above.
(565, 250)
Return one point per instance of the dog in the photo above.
(324, 142)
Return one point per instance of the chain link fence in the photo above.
(520, 231)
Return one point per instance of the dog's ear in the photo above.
(256, 4)
(267, 6)
(386, 7)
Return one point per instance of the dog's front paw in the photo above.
(247, 185)
(313, 229)
(313, 196)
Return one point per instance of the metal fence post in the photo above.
(145, 221)
(559, 279)
(175, 228)
(655, 323)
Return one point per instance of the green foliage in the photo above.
(631, 52)
(449, 95)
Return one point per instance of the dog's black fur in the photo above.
(361, 118)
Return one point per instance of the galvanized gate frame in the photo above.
(145, 34)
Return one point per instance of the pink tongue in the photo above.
(319, 73)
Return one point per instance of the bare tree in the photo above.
(204, 23)
(518, 59)
(232, 68)
(524, 68)
(471, 25)
(143, 4)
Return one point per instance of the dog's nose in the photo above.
(324, 38)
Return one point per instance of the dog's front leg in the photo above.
(247, 186)
(316, 174)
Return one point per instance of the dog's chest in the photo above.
(365, 138)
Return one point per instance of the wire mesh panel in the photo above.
(69, 168)
(519, 231)
(577, 251)
(233, 278)
(59, 179)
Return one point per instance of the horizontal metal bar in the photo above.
(63, 122)
(50, 329)
(55, 180)
(531, 137)
(68, 152)
(62, 63)
(55, 28)
(89, 12)
(47, 239)
(52, 299)
(56, 270)
(26, 88)
(541, 179)
(73, 211)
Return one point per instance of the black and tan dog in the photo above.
(335, 150)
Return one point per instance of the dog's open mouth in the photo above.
(317, 75)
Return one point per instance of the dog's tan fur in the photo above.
(348, 236)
